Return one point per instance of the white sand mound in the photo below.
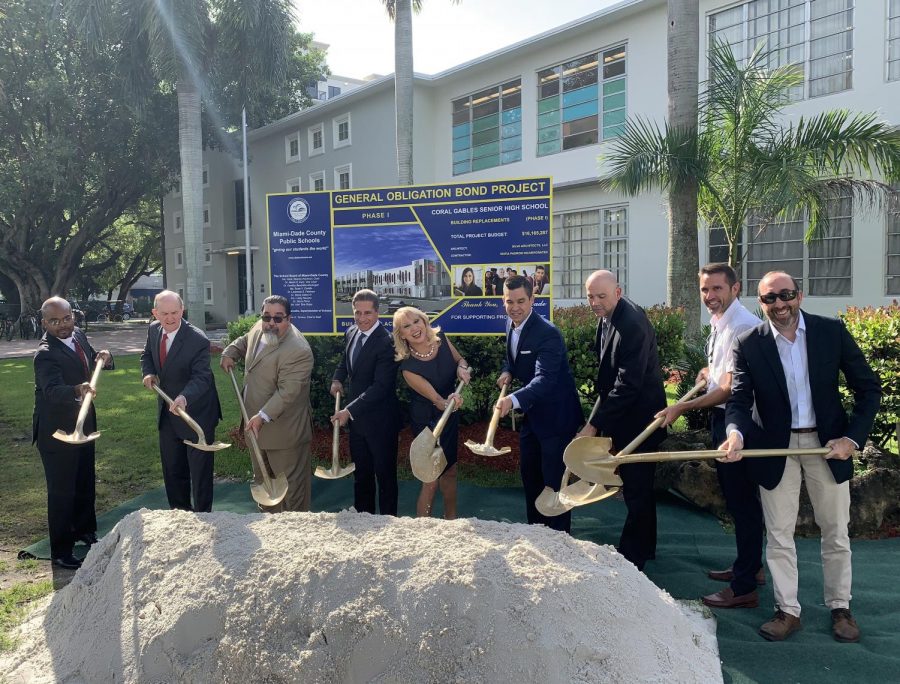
(170, 596)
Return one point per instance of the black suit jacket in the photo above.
(759, 377)
(549, 398)
(187, 372)
(629, 379)
(57, 370)
(371, 386)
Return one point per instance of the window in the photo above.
(892, 249)
(206, 218)
(177, 222)
(814, 35)
(177, 189)
(893, 40)
(317, 181)
(207, 254)
(343, 177)
(581, 101)
(179, 288)
(208, 293)
(292, 185)
(292, 148)
(179, 258)
(316, 139)
(824, 265)
(341, 130)
(206, 175)
(333, 91)
(584, 241)
(487, 128)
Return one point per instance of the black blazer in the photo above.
(186, 372)
(759, 378)
(57, 370)
(549, 398)
(629, 379)
(370, 390)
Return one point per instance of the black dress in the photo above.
(440, 371)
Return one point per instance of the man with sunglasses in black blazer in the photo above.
(789, 368)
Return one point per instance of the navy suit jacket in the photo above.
(629, 379)
(759, 377)
(549, 398)
(370, 387)
(186, 372)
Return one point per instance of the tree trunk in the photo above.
(403, 90)
(190, 146)
(683, 64)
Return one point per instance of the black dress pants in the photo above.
(375, 457)
(638, 540)
(71, 491)
(186, 470)
(541, 465)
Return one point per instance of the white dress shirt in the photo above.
(514, 334)
(726, 328)
(796, 372)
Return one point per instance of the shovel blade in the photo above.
(267, 497)
(428, 468)
(75, 437)
(548, 503)
(582, 493)
(590, 459)
(334, 473)
(203, 446)
(486, 449)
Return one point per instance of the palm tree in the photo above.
(400, 12)
(747, 163)
(174, 43)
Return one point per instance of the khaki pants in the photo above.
(295, 465)
(831, 506)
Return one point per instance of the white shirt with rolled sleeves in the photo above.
(736, 320)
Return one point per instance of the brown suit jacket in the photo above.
(276, 382)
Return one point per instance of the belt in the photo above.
(804, 431)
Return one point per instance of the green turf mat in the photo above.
(690, 542)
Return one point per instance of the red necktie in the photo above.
(162, 348)
(80, 352)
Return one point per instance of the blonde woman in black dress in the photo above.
(431, 366)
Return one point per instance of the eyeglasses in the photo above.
(56, 321)
(784, 295)
(279, 319)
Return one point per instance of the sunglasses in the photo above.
(784, 295)
(279, 319)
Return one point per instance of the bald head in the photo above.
(168, 309)
(603, 293)
(56, 317)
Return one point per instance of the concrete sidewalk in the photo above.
(124, 338)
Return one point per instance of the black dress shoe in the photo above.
(68, 562)
(88, 538)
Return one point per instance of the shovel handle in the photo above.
(251, 438)
(495, 420)
(336, 436)
(181, 413)
(451, 407)
(663, 456)
(655, 425)
(88, 398)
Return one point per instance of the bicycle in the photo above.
(8, 328)
(28, 326)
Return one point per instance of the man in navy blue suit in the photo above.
(629, 380)
(367, 376)
(536, 356)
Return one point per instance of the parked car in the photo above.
(395, 304)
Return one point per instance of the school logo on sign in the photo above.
(298, 210)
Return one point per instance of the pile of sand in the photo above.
(298, 597)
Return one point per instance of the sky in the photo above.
(361, 37)
(379, 248)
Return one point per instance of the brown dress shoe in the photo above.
(780, 627)
(843, 626)
(727, 599)
(727, 575)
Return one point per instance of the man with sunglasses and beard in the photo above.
(278, 363)
(789, 366)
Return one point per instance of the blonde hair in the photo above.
(401, 347)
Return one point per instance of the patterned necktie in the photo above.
(82, 356)
(711, 344)
(163, 348)
(604, 332)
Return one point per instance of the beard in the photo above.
(270, 339)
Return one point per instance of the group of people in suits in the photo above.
(771, 384)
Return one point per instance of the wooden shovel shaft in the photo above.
(336, 436)
(451, 406)
(194, 425)
(655, 425)
(495, 420)
(661, 456)
(254, 447)
(88, 398)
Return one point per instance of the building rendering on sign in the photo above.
(422, 278)
(548, 106)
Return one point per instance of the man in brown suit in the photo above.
(278, 363)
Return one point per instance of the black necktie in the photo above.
(358, 345)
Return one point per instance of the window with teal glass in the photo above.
(582, 101)
(487, 128)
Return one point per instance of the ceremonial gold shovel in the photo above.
(271, 491)
(336, 471)
(181, 413)
(426, 457)
(488, 448)
(78, 436)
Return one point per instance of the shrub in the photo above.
(877, 332)
(485, 355)
(693, 360)
(240, 327)
(669, 325)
